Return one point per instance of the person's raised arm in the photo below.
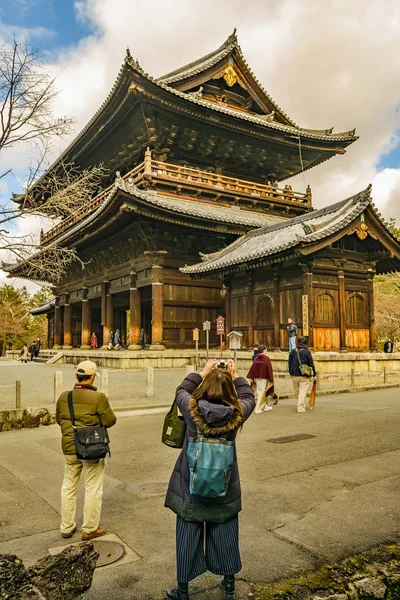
(244, 391)
(190, 384)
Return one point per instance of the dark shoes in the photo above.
(180, 593)
(228, 585)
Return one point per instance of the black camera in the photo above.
(222, 364)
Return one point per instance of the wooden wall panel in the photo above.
(264, 336)
(357, 339)
(290, 305)
(239, 312)
(326, 338)
(191, 293)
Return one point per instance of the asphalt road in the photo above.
(317, 499)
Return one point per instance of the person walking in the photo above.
(24, 353)
(110, 339)
(292, 333)
(90, 407)
(93, 341)
(32, 348)
(302, 384)
(37, 347)
(117, 340)
(142, 341)
(255, 351)
(388, 346)
(262, 376)
(214, 403)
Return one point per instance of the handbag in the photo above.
(91, 443)
(174, 429)
(210, 465)
(305, 370)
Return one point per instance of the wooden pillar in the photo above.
(58, 315)
(156, 260)
(277, 313)
(371, 306)
(134, 309)
(342, 311)
(250, 310)
(86, 321)
(106, 312)
(67, 324)
(308, 305)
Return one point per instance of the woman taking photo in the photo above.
(214, 404)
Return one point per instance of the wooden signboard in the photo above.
(304, 303)
(220, 326)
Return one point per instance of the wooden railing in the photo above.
(152, 170)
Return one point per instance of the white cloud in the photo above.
(326, 63)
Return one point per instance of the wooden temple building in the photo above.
(195, 159)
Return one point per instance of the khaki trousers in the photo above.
(262, 387)
(302, 387)
(93, 474)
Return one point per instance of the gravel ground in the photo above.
(127, 388)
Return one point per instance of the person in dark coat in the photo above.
(262, 375)
(255, 351)
(142, 341)
(388, 346)
(216, 402)
(32, 349)
(301, 383)
(37, 347)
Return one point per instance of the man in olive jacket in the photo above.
(89, 407)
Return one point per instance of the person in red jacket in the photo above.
(262, 375)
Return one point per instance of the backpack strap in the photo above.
(71, 409)
(298, 356)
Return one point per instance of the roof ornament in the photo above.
(132, 61)
(196, 95)
(232, 39)
(329, 131)
(269, 117)
(353, 131)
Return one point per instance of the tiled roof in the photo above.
(274, 239)
(202, 210)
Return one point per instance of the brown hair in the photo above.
(218, 387)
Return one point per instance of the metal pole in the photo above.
(197, 354)
(17, 394)
(220, 343)
(149, 387)
(207, 343)
(235, 356)
(58, 378)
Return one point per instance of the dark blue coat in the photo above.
(216, 418)
(306, 359)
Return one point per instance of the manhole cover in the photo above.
(155, 487)
(109, 552)
(291, 438)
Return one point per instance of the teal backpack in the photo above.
(210, 465)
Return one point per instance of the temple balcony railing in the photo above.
(189, 182)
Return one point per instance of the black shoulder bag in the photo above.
(91, 443)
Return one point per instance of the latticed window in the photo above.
(355, 309)
(264, 312)
(325, 309)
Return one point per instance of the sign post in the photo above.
(304, 304)
(206, 328)
(234, 342)
(196, 331)
(220, 330)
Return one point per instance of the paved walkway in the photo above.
(317, 499)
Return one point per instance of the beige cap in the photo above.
(87, 367)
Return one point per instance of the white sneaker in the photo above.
(301, 410)
(257, 412)
(267, 408)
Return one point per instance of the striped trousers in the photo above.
(202, 547)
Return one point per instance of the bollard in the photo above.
(149, 387)
(385, 377)
(104, 381)
(17, 394)
(190, 369)
(58, 382)
(352, 377)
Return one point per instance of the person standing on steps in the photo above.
(302, 384)
(90, 407)
(292, 333)
(110, 339)
(117, 340)
(214, 404)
